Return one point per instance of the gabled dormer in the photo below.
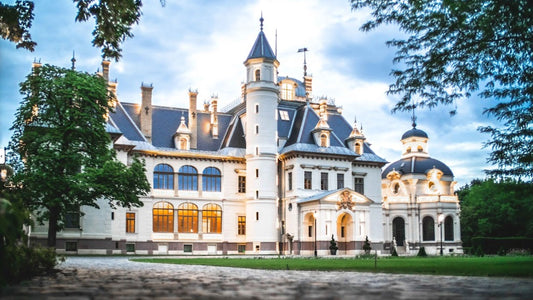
(182, 137)
(356, 139)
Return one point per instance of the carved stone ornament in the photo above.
(345, 201)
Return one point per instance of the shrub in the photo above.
(366, 246)
(422, 252)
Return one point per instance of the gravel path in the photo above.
(118, 278)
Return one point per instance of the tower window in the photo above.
(358, 148)
(242, 184)
(256, 129)
(256, 172)
(257, 75)
(289, 179)
(420, 149)
(257, 108)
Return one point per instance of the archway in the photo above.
(344, 231)
(398, 231)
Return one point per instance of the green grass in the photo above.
(516, 266)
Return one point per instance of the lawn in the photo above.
(509, 266)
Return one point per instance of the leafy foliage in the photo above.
(455, 48)
(15, 22)
(496, 209)
(60, 133)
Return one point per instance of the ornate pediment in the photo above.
(345, 201)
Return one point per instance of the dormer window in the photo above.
(287, 91)
(323, 140)
(183, 144)
(358, 148)
(257, 75)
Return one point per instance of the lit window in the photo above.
(284, 115)
(211, 180)
(163, 217)
(188, 178)
(323, 140)
(163, 177)
(287, 91)
(358, 148)
(308, 176)
(130, 222)
(187, 218)
(212, 218)
(241, 224)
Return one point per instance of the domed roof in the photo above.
(414, 132)
(417, 165)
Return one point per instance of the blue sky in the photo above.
(202, 45)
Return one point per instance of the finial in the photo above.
(73, 60)
(305, 62)
(413, 117)
(261, 20)
(355, 119)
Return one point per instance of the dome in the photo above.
(417, 165)
(414, 132)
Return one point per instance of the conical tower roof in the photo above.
(261, 48)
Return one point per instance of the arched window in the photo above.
(163, 217)
(287, 91)
(323, 140)
(396, 188)
(257, 75)
(358, 148)
(183, 144)
(188, 178)
(420, 149)
(398, 230)
(408, 150)
(448, 228)
(163, 177)
(212, 218)
(211, 180)
(187, 218)
(428, 229)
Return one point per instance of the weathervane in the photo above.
(305, 63)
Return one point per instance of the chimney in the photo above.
(112, 88)
(308, 83)
(193, 121)
(323, 108)
(105, 69)
(214, 117)
(146, 111)
(36, 65)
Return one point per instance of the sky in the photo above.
(202, 45)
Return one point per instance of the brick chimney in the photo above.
(214, 116)
(193, 118)
(146, 111)
(308, 83)
(105, 69)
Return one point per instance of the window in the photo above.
(448, 228)
(428, 229)
(130, 247)
(284, 115)
(241, 225)
(256, 172)
(358, 148)
(163, 177)
(187, 248)
(211, 180)
(310, 231)
(241, 248)
(256, 129)
(257, 75)
(257, 216)
(187, 218)
(408, 150)
(287, 91)
(323, 140)
(130, 222)
(340, 180)
(396, 188)
(324, 181)
(183, 144)
(72, 218)
(398, 230)
(289, 180)
(188, 178)
(308, 178)
(71, 246)
(242, 184)
(163, 217)
(420, 149)
(257, 108)
(359, 185)
(212, 218)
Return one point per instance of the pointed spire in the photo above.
(261, 47)
(73, 60)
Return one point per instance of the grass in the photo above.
(515, 266)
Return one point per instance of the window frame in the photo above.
(308, 180)
(163, 179)
(188, 214)
(324, 181)
(212, 218)
(340, 181)
(428, 229)
(211, 180)
(188, 180)
(359, 185)
(241, 184)
(130, 222)
(241, 225)
(163, 221)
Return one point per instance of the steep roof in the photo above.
(416, 165)
(261, 48)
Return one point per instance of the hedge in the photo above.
(497, 245)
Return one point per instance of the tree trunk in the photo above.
(52, 226)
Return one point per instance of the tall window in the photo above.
(287, 91)
(212, 218)
(289, 180)
(163, 217)
(398, 230)
(324, 181)
(323, 140)
(187, 218)
(308, 178)
(163, 177)
(130, 222)
(188, 178)
(359, 185)
(241, 225)
(242, 184)
(448, 228)
(340, 180)
(257, 75)
(211, 180)
(428, 229)
(358, 148)
(72, 218)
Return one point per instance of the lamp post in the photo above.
(315, 216)
(441, 220)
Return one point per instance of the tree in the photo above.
(113, 22)
(66, 159)
(455, 48)
(496, 209)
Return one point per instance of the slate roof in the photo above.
(261, 48)
(414, 132)
(300, 87)
(416, 165)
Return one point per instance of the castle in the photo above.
(280, 172)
